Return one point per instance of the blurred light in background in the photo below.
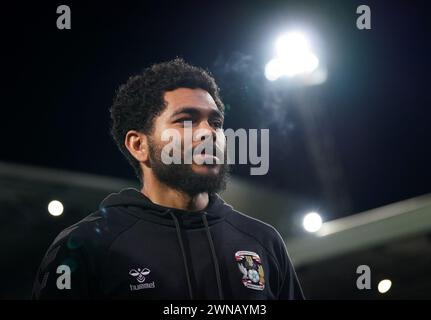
(384, 286)
(295, 58)
(312, 222)
(292, 42)
(55, 208)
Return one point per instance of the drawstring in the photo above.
(180, 240)
(213, 255)
(215, 262)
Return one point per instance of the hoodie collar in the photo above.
(142, 207)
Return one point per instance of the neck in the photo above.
(163, 195)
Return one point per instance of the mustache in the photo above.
(205, 148)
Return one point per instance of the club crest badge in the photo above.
(250, 265)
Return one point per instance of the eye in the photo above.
(182, 120)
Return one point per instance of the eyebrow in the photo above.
(193, 111)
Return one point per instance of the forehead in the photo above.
(185, 97)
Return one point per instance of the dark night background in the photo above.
(57, 86)
(357, 142)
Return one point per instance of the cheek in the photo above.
(172, 136)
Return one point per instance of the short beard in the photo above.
(181, 177)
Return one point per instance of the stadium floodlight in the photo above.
(294, 57)
(312, 222)
(55, 208)
(384, 285)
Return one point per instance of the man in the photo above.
(175, 238)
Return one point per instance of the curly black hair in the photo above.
(141, 99)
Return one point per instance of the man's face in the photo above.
(195, 106)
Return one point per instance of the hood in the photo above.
(142, 207)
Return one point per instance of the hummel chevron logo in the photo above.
(139, 274)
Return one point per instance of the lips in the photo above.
(206, 158)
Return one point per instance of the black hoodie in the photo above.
(132, 248)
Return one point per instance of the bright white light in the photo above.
(294, 57)
(273, 69)
(312, 222)
(384, 286)
(55, 208)
(291, 42)
(299, 63)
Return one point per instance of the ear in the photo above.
(137, 144)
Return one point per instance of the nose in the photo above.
(208, 131)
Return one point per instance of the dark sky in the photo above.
(57, 87)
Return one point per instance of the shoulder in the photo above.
(80, 247)
(266, 234)
(95, 232)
